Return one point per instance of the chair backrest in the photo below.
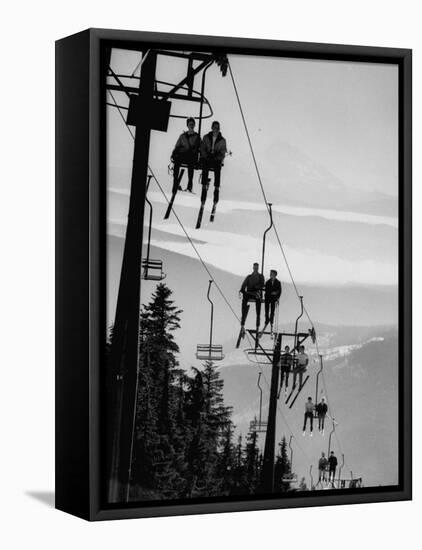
(212, 353)
(153, 270)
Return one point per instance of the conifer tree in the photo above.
(158, 451)
(282, 467)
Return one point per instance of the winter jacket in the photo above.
(220, 148)
(272, 290)
(323, 463)
(286, 360)
(322, 409)
(332, 461)
(309, 407)
(253, 283)
(302, 361)
(187, 145)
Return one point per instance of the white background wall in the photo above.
(27, 275)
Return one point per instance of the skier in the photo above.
(322, 468)
(332, 461)
(321, 410)
(212, 152)
(251, 290)
(301, 365)
(286, 359)
(186, 151)
(272, 295)
(309, 413)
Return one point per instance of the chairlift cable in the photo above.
(268, 208)
(209, 272)
(262, 187)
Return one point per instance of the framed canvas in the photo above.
(233, 274)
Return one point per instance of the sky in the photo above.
(324, 135)
(342, 114)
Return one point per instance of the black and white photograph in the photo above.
(210, 255)
(252, 276)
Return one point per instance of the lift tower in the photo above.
(149, 109)
(267, 478)
(125, 341)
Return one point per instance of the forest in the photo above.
(184, 442)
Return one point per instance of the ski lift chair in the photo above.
(207, 352)
(210, 351)
(152, 270)
(258, 426)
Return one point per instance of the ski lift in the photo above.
(210, 351)
(258, 425)
(321, 365)
(252, 298)
(152, 270)
(202, 101)
(299, 338)
(331, 433)
(290, 478)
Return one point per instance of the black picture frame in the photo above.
(80, 269)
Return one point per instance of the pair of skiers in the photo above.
(211, 151)
(298, 364)
(252, 291)
(327, 465)
(321, 409)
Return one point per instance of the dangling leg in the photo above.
(176, 169)
(258, 313)
(267, 312)
(272, 311)
(204, 183)
(281, 381)
(245, 309)
(190, 178)
(217, 179)
(177, 177)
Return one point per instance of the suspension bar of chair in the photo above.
(150, 223)
(340, 469)
(201, 105)
(297, 322)
(260, 397)
(317, 378)
(331, 433)
(212, 311)
(291, 453)
(265, 236)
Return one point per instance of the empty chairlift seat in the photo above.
(152, 270)
(258, 426)
(207, 352)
